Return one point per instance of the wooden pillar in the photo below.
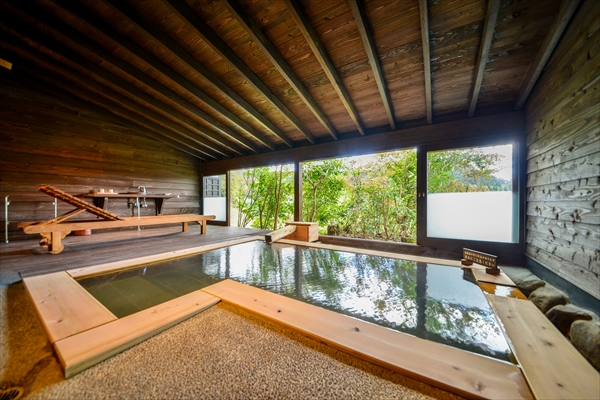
(227, 198)
(297, 191)
(421, 194)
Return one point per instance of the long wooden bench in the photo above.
(55, 229)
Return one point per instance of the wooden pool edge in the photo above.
(75, 355)
(467, 374)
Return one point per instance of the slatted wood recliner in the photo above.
(55, 229)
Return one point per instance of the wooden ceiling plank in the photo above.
(559, 24)
(140, 75)
(135, 49)
(320, 53)
(219, 47)
(484, 51)
(126, 119)
(424, 14)
(279, 62)
(365, 34)
(117, 81)
(194, 64)
(39, 42)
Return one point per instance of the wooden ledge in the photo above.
(553, 368)
(65, 307)
(88, 348)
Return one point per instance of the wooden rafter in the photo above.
(559, 24)
(279, 62)
(128, 120)
(170, 45)
(320, 53)
(44, 45)
(68, 34)
(424, 14)
(71, 81)
(219, 47)
(134, 48)
(484, 51)
(124, 66)
(367, 39)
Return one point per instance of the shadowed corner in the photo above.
(27, 360)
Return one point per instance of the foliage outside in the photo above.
(263, 198)
(374, 199)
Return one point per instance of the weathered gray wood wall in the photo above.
(563, 168)
(48, 137)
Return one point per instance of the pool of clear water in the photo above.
(434, 302)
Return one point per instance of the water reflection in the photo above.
(427, 300)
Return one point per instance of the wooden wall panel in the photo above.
(563, 137)
(48, 137)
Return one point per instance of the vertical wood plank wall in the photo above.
(563, 167)
(48, 137)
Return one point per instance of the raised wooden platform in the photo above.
(553, 368)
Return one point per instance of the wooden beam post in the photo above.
(426, 58)
(311, 37)
(279, 62)
(363, 29)
(484, 51)
(559, 24)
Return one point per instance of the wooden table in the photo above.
(101, 199)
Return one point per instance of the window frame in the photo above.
(518, 180)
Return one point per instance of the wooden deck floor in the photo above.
(27, 258)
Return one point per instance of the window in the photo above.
(371, 197)
(212, 186)
(471, 194)
(214, 201)
(263, 197)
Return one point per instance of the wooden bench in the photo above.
(55, 229)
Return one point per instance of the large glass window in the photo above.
(262, 198)
(471, 194)
(369, 197)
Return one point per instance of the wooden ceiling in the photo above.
(225, 78)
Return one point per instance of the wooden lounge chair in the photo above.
(55, 229)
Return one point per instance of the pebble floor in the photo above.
(222, 353)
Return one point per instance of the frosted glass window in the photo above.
(214, 201)
(470, 194)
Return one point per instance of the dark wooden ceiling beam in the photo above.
(559, 24)
(219, 47)
(320, 53)
(484, 51)
(135, 49)
(40, 44)
(216, 143)
(204, 72)
(367, 39)
(236, 10)
(124, 118)
(424, 15)
(81, 40)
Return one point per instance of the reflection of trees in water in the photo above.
(468, 325)
(271, 268)
(378, 288)
(390, 292)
